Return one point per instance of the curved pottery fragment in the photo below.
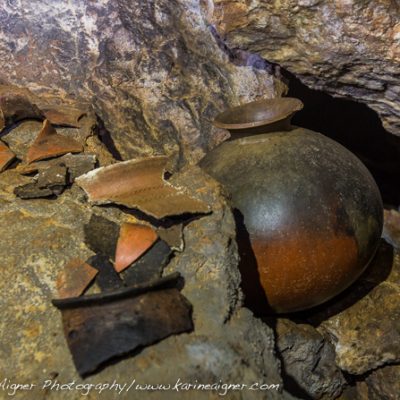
(6, 156)
(309, 213)
(134, 240)
(17, 104)
(64, 115)
(75, 278)
(50, 144)
(140, 184)
(123, 320)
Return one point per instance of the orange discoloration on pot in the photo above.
(50, 144)
(6, 156)
(303, 269)
(134, 240)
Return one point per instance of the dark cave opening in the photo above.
(355, 126)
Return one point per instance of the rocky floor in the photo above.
(348, 348)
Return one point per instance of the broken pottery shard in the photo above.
(101, 235)
(75, 278)
(149, 266)
(53, 178)
(166, 282)
(6, 156)
(64, 115)
(140, 184)
(78, 164)
(16, 104)
(121, 326)
(173, 236)
(32, 191)
(107, 278)
(27, 169)
(50, 144)
(133, 241)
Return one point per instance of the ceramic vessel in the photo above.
(309, 213)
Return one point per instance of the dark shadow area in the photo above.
(355, 126)
(105, 137)
(255, 298)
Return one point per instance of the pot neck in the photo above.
(281, 125)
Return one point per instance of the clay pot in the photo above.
(311, 212)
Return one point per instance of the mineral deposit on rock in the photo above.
(153, 70)
(348, 48)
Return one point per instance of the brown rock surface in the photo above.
(364, 323)
(228, 343)
(153, 70)
(349, 48)
(308, 361)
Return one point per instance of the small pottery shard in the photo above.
(16, 104)
(32, 191)
(27, 169)
(75, 278)
(150, 266)
(173, 236)
(166, 282)
(78, 164)
(50, 144)
(6, 156)
(140, 184)
(64, 115)
(133, 241)
(97, 333)
(107, 279)
(53, 178)
(101, 235)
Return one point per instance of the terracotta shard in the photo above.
(101, 235)
(98, 333)
(173, 236)
(53, 178)
(166, 282)
(27, 169)
(150, 266)
(75, 278)
(140, 184)
(16, 104)
(50, 144)
(107, 279)
(134, 240)
(64, 115)
(6, 156)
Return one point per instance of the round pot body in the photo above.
(311, 211)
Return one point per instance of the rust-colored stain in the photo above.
(304, 269)
(140, 184)
(64, 116)
(6, 156)
(74, 278)
(133, 241)
(50, 144)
